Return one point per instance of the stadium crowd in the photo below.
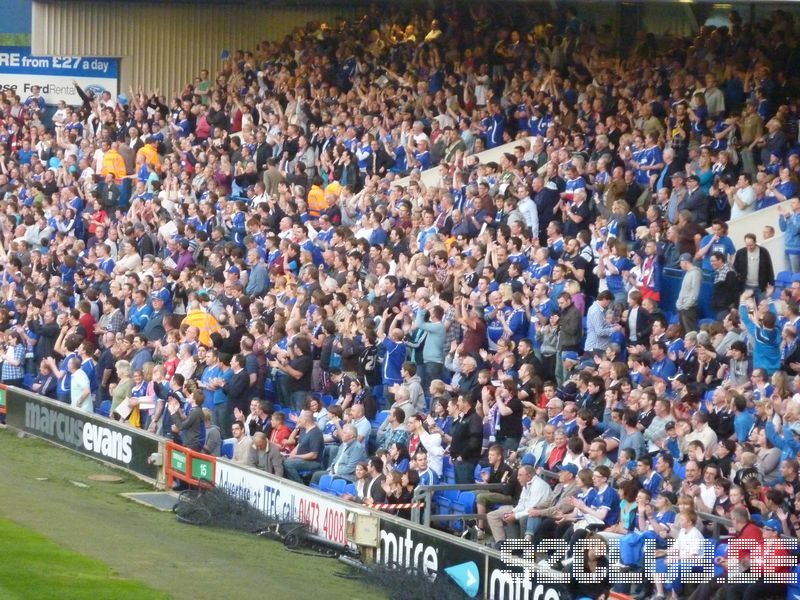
(244, 259)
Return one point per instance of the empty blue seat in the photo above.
(478, 469)
(448, 471)
(443, 504)
(105, 408)
(784, 279)
(324, 483)
(327, 400)
(464, 505)
(27, 381)
(377, 393)
(446, 499)
(380, 418)
(227, 447)
(337, 487)
(350, 488)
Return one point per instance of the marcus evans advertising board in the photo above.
(324, 516)
(93, 436)
(19, 72)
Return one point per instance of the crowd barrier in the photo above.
(189, 466)
(324, 515)
(753, 222)
(98, 437)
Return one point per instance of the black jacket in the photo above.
(237, 389)
(644, 327)
(144, 245)
(570, 328)
(375, 489)
(48, 334)
(594, 404)
(191, 425)
(379, 162)
(467, 439)
(726, 293)
(697, 202)
(766, 276)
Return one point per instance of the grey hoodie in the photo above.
(416, 395)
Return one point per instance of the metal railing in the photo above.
(720, 526)
(424, 493)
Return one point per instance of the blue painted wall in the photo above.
(15, 16)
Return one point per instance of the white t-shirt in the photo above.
(747, 196)
(79, 384)
(689, 543)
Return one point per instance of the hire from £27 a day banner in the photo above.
(20, 71)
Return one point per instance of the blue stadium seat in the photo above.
(227, 447)
(105, 408)
(783, 279)
(269, 390)
(446, 499)
(291, 418)
(478, 469)
(448, 471)
(324, 483)
(327, 400)
(680, 470)
(27, 381)
(337, 487)
(380, 418)
(465, 505)
(377, 392)
(350, 488)
(443, 504)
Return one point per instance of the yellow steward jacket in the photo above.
(205, 322)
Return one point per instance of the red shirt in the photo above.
(87, 322)
(280, 435)
(475, 339)
(556, 456)
(749, 532)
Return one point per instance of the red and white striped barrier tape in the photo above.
(396, 506)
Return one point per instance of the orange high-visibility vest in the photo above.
(151, 156)
(113, 164)
(316, 201)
